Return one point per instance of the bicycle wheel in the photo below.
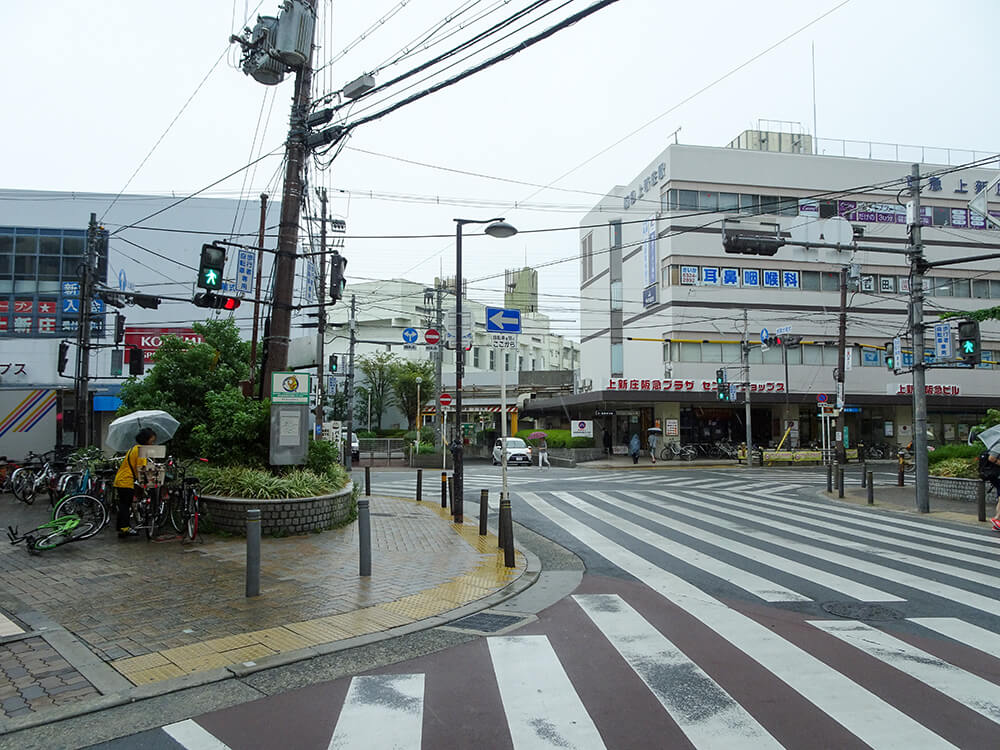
(665, 454)
(178, 511)
(89, 510)
(22, 483)
(49, 540)
(193, 511)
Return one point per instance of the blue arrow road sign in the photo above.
(409, 335)
(501, 320)
(764, 335)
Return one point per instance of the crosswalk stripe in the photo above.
(964, 632)
(831, 581)
(968, 689)
(857, 709)
(192, 736)
(542, 708)
(384, 711)
(718, 721)
(918, 582)
(752, 583)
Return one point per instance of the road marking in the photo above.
(752, 583)
(7, 626)
(192, 736)
(806, 572)
(965, 633)
(860, 711)
(384, 711)
(717, 720)
(972, 691)
(541, 705)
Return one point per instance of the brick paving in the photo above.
(153, 611)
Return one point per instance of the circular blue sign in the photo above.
(409, 335)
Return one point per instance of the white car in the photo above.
(518, 452)
(355, 445)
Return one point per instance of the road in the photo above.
(717, 608)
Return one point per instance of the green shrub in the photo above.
(259, 484)
(954, 450)
(322, 455)
(956, 467)
(558, 439)
(365, 434)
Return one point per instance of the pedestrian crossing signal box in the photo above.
(213, 263)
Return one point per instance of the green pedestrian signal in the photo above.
(890, 356)
(969, 342)
(722, 384)
(213, 263)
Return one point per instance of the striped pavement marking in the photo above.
(965, 633)
(191, 736)
(542, 708)
(383, 711)
(715, 719)
(857, 709)
(968, 689)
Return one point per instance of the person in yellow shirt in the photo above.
(126, 478)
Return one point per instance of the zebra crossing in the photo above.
(723, 635)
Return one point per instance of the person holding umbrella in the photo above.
(654, 440)
(543, 448)
(125, 479)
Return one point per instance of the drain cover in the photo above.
(861, 611)
(487, 622)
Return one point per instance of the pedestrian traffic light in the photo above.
(969, 342)
(337, 279)
(213, 262)
(333, 363)
(890, 356)
(119, 328)
(63, 356)
(721, 385)
(216, 301)
(136, 360)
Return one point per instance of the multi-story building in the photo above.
(664, 307)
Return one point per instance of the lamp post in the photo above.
(416, 441)
(495, 228)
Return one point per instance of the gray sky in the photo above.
(98, 85)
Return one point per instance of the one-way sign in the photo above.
(502, 320)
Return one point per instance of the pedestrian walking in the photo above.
(989, 471)
(654, 442)
(633, 447)
(543, 454)
(125, 479)
(607, 442)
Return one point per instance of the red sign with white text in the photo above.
(445, 399)
(150, 339)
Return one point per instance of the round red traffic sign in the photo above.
(821, 397)
(432, 336)
(445, 399)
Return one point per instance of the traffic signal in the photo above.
(751, 244)
(216, 301)
(338, 264)
(721, 384)
(63, 356)
(969, 342)
(213, 262)
(890, 356)
(119, 328)
(136, 361)
(333, 363)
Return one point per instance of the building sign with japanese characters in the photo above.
(151, 339)
(690, 386)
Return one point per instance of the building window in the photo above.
(830, 281)
(729, 202)
(711, 353)
(962, 288)
(708, 201)
(769, 204)
(731, 354)
(812, 354)
(980, 287)
(749, 204)
(811, 281)
(688, 352)
(616, 295)
(773, 356)
(615, 233)
(493, 359)
(684, 200)
(666, 351)
(617, 360)
(587, 256)
(506, 362)
(475, 356)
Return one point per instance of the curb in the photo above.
(854, 497)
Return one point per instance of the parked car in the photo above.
(355, 446)
(518, 452)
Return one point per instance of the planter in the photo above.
(292, 515)
(953, 488)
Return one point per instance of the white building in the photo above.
(664, 307)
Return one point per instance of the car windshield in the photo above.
(515, 443)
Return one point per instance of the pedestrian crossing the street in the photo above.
(750, 617)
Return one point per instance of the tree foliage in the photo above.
(404, 386)
(378, 370)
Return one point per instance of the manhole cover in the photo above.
(860, 611)
(487, 622)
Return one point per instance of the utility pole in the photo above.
(917, 335)
(82, 379)
(438, 366)
(349, 388)
(745, 351)
(841, 449)
(321, 297)
(288, 228)
(256, 296)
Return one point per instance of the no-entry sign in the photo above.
(432, 336)
(445, 399)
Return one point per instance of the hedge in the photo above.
(558, 439)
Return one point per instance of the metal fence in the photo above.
(382, 451)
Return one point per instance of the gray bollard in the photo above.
(840, 481)
(253, 552)
(364, 536)
(420, 483)
(368, 480)
(981, 499)
(444, 489)
(484, 509)
(500, 528)
(507, 524)
(451, 494)
(829, 477)
(871, 488)
(864, 475)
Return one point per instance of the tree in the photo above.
(404, 386)
(378, 371)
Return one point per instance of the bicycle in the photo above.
(149, 507)
(88, 508)
(52, 534)
(185, 502)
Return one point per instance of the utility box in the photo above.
(293, 40)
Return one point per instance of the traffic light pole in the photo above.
(256, 301)
(838, 431)
(349, 388)
(745, 356)
(321, 325)
(917, 334)
(82, 379)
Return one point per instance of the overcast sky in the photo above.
(92, 88)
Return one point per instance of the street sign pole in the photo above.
(503, 430)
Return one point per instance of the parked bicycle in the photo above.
(52, 534)
(185, 502)
(91, 509)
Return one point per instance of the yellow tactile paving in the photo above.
(140, 663)
(156, 674)
(249, 653)
(280, 639)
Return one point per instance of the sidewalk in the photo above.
(904, 500)
(102, 622)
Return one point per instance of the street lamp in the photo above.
(495, 228)
(416, 442)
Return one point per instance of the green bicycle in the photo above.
(52, 534)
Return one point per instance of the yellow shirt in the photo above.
(126, 475)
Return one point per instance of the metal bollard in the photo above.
(253, 552)
(829, 477)
(444, 489)
(484, 509)
(871, 488)
(368, 480)
(451, 493)
(500, 528)
(864, 475)
(364, 537)
(420, 483)
(840, 482)
(981, 499)
(507, 524)
(899, 479)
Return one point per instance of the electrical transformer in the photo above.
(293, 39)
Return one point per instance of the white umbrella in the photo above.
(121, 432)
(990, 438)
